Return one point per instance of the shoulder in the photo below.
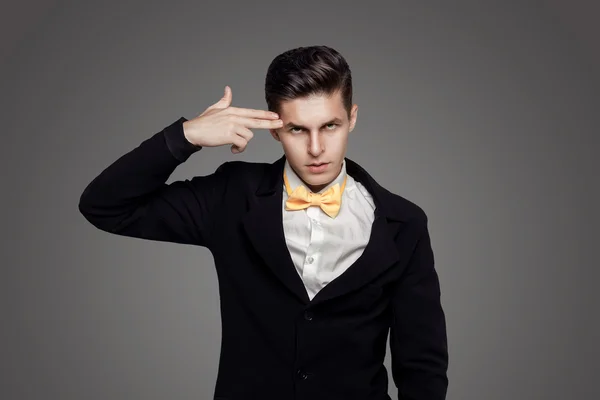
(407, 208)
(244, 168)
(394, 205)
(243, 175)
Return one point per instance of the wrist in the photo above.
(177, 142)
(186, 134)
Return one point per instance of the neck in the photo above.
(314, 188)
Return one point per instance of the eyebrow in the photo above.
(332, 121)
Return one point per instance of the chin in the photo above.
(318, 179)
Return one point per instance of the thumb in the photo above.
(225, 101)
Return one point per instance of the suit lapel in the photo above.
(379, 255)
(381, 252)
(263, 225)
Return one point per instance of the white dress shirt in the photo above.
(321, 247)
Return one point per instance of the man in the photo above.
(316, 262)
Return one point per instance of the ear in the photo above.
(275, 134)
(353, 114)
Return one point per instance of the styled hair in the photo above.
(305, 71)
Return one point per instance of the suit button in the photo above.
(308, 315)
(303, 375)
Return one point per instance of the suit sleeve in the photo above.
(418, 340)
(131, 197)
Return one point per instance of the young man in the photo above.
(316, 262)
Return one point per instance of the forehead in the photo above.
(313, 110)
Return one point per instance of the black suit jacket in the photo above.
(276, 343)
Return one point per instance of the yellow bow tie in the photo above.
(301, 198)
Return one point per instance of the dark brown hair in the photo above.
(305, 71)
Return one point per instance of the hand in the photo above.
(221, 124)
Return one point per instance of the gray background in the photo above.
(483, 113)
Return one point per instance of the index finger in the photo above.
(253, 113)
(260, 123)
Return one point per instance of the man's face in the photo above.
(315, 137)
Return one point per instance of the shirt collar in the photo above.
(295, 181)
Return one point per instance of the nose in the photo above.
(315, 147)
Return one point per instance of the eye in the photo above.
(331, 126)
(295, 130)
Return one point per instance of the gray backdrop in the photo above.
(483, 113)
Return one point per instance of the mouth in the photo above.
(318, 168)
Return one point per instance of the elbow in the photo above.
(89, 212)
(93, 213)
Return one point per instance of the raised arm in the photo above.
(131, 198)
